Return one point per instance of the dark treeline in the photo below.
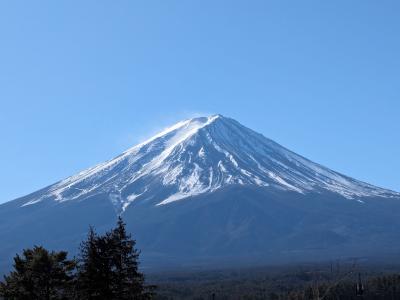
(106, 268)
(309, 283)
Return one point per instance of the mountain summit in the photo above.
(199, 156)
(210, 190)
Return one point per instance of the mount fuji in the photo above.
(209, 190)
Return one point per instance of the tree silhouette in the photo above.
(108, 267)
(39, 274)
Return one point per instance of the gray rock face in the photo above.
(211, 190)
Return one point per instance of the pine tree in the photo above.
(39, 275)
(94, 270)
(108, 267)
(128, 282)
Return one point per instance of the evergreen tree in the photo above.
(128, 282)
(39, 275)
(94, 270)
(108, 267)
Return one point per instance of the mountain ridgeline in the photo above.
(210, 190)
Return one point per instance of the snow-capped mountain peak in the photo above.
(197, 156)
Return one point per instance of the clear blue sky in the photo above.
(81, 81)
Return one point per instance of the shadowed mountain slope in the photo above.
(210, 190)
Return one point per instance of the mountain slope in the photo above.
(210, 189)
